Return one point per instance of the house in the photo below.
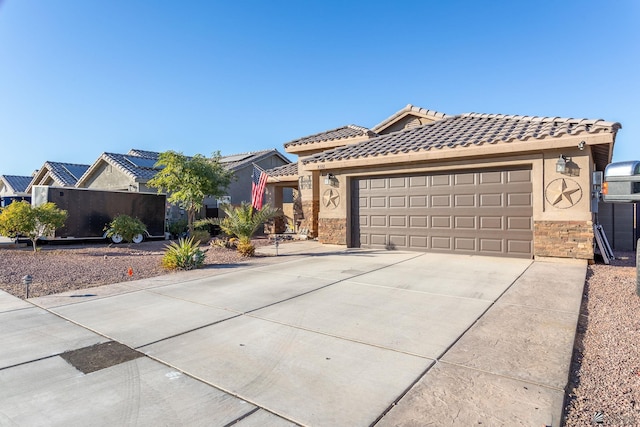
(132, 171)
(481, 184)
(56, 174)
(12, 188)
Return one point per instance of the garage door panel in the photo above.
(440, 221)
(397, 182)
(397, 202)
(378, 183)
(491, 200)
(519, 246)
(440, 180)
(466, 200)
(417, 201)
(441, 242)
(465, 244)
(519, 223)
(519, 199)
(398, 240)
(378, 221)
(378, 239)
(397, 221)
(491, 177)
(418, 242)
(463, 222)
(418, 221)
(443, 200)
(491, 245)
(418, 181)
(378, 202)
(491, 223)
(523, 175)
(480, 212)
(465, 179)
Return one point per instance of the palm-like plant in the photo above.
(242, 222)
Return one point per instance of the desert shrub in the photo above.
(243, 222)
(201, 236)
(130, 229)
(225, 242)
(185, 254)
(178, 227)
(245, 247)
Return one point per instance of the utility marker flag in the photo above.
(259, 181)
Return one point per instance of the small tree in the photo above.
(188, 180)
(242, 222)
(20, 218)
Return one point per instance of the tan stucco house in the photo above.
(14, 188)
(486, 184)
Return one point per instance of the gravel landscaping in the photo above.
(605, 371)
(57, 268)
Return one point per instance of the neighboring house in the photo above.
(487, 184)
(56, 174)
(132, 171)
(12, 188)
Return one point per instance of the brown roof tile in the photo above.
(349, 131)
(285, 170)
(409, 109)
(463, 131)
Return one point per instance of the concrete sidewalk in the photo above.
(316, 336)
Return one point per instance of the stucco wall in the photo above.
(107, 177)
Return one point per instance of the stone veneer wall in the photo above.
(275, 226)
(310, 210)
(332, 231)
(563, 239)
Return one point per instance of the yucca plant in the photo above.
(185, 254)
(242, 222)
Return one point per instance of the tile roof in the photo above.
(466, 130)
(285, 170)
(139, 164)
(237, 161)
(17, 183)
(349, 131)
(131, 165)
(143, 153)
(409, 109)
(65, 174)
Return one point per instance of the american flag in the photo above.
(259, 181)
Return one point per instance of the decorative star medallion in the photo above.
(331, 198)
(563, 193)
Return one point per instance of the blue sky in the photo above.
(78, 78)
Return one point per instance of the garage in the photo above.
(483, 211)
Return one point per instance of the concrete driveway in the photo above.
(317, 336)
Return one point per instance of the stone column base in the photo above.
(563, 239)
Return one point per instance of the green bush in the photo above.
(185, 254)
(124, 227)
(178, 227)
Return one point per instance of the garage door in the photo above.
(486, 212)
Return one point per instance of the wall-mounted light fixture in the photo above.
(561, 164)
(330, 179)
(581, 145)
